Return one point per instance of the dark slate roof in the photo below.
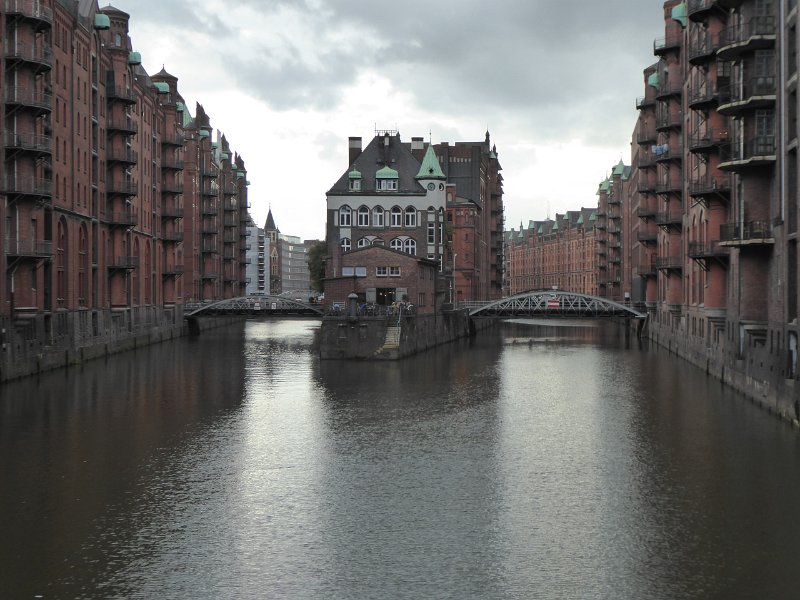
(376, 156)
(270, 224)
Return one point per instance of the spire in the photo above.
(430, 168)
(270, 224)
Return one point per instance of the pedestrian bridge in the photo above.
(256, 305)
(551, 303)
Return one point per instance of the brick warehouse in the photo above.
(118, 205)
(442, 202)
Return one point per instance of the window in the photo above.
(363, 216)
(396, 244)
(431, 233)
(363, 242)
(394, 271)
(411, 217)
(355, 185)
(387, 185)
(381, 271)
(344, 216)
(410, 247)
(345, 244)
(377, 216)
(397, 216)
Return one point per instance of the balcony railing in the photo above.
(669, 262)
(121, 94)
(703, 47)
(210, 209)
(749, 232)
(705, 186)
(710, 249)
(664, 44)
(28, 96)
(645, 102)
(646, 237)
(756, 92)
(172, 213)
(755, 34)
(668, 218)
(171, 187)
(172, 236)
(29, 248)
(27, 186)
(173, 139)
(756, 151)
(171, 163)
(172, 271)
(124, 124)
(31, 9)
(703, 95)
(669, 120)
(122, 188)
(41, 55)
(647, 269)
(645, 212)
(705, 141)
(127, 263)
(122, 155)
(41, 144)
(125, 218)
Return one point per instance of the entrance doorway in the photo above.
(384, 296)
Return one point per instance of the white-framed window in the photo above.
(363, 216)
(361, 271)
(396, 244)
(411, 216)
(377, 216)
(397, 216)
(348, 271)
(394, 271)
(381, 271)
(410, 247)
(345, 216)
(345, 244)
(363, 242)
(431, 233)
(355, 185)
(387, 185)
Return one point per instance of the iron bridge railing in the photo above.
(555, 303)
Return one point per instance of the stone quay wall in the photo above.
(362, 337)
(43, 342)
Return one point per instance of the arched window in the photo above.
(410, 247)
(364, 242)
(344, 216)
(61, 264)
(411, 216)
(396, 244)
(377, 216)
(83, 266)
(363, 216)
(345, 244)
(397, 216)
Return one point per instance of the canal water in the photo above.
(535, 461)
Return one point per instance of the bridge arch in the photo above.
(255, 304)
(553, 303)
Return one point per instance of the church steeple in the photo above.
(430, 169)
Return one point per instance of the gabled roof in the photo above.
(394, 160)
(270, 224)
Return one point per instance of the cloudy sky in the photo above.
(288, 81)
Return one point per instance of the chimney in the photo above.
(417, 143)
(354, 149)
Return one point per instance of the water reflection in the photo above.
(538, 460)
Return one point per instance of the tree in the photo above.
(316, 265)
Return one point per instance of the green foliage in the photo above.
(316, 265)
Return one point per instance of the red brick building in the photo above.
(117, 204)
(380, 275)
(560, 252)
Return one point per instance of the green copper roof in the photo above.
(239, 174)
(680, 14)
(430, 168)
(620, 168)
(162, 87)
(604, 185)
(555, 224)
(652, 81)
(180, 106)
(580, 220)
(386, 173)
(102, 21)
(540, 229)
(203, 133)
(594, 216)
(224, 156)
(354, 174)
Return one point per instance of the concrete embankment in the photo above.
(391, 338)
(44, 342)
